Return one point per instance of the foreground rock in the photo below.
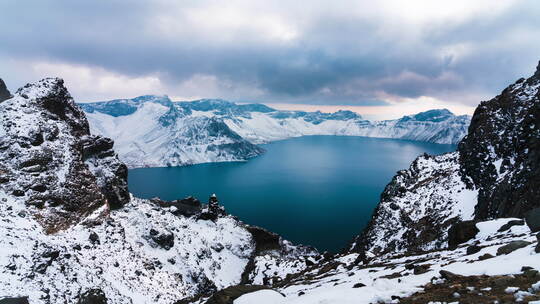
(49, 159)
(501, 153)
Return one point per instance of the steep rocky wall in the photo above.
(495, 173)
(49, 159)
(500, 156)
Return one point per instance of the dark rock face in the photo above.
(421, 187)
(264, 239)
(93, 296)
(49, 158)
(461, 232)
(500, 156)
(4, 92)
(533, 219)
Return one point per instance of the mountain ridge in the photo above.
(246, 126)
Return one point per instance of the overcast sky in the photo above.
(389, 56)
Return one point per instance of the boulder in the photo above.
(447, 275)
(16, 300)
(473, 249)
(510, 224)
(164, 240)
(461, 232)
(533, 219)
(512, 246)
(485, 256)
(420, 269)
(93, 296)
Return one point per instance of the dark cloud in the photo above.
(336, 56)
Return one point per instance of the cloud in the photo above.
(345, 53)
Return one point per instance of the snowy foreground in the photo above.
(388, 278)
(121, 253)
(154, 131)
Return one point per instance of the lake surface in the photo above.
(313, 190)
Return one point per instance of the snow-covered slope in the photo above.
(153, 131)
(493, 267)
(150, 131)
(71, 233)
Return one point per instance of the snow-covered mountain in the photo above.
(154, 131)
(150, 131)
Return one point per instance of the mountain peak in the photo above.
(537, 73)
(431, 115)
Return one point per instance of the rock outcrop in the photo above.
(4, 92)
(494, 173)
(500, 156)
(49, 159)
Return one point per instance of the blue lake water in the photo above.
(313, 190)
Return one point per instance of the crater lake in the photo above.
(312, 190)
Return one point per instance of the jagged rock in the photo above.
(510, 224)
(229, 294)
(70, 172)
(188, 206)
(358, 285)
(512, 246)
(501, 153)
(93, 296)
(264, 239)
(537, 249)
(461, 232)
(213, 211)
(533, 219)
(164, 240)
(4, 92)
(17, 300)
(496, 170)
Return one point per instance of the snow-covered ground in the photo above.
(336, 286)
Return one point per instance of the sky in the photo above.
(380, 58)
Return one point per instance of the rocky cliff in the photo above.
(49, 159)
(500, 156)
(494, 174)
